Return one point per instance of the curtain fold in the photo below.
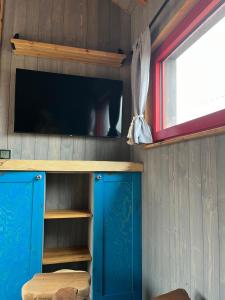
(139, 131)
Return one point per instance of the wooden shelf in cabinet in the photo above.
(67, 214)
(65, 255)
(54, 51)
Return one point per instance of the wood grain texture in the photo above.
(193, 136)
(196, 217)
(183, 218)
(17, 62)
(44, 23)
(65, 255)
(220, 175)
(183, 202)
(5, 72)
(210, 218)
(69, 166)
(55, 51)
(48, 285)
(66, 214)
(31, 63)
(1, 18)
(64, 22)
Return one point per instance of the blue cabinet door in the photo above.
(117, 237)
(21, 230)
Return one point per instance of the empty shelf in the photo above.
(65, 255)
(66, 214)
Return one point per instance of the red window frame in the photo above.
(201, 11)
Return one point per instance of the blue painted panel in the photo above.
(117, 237)
(21, 230)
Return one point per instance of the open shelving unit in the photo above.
(68, 221)
(55, 51)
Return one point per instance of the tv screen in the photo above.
(51, 103)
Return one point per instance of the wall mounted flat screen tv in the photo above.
(49, 103)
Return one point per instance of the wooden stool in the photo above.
(178, 294)
(60, 285)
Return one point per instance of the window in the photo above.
(189, 74)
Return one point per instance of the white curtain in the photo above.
(139, 131)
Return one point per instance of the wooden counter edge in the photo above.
(69, 166)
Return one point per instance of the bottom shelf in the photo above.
(65, 255)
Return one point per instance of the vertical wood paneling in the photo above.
(220, 146)
(147, 228)
(86, 23)
(184, 215)
(44, 35)
(174, 218)
(5, 72)
(125, 36)
(196, 217)
(81, 41)
(31, 31)
(73, 29)
(90, 146)
(183, 218)
(156, 216)
(165, 221)
(104, 33)
(184, 197)
(14, 141)
(57, 35)
(210, 218)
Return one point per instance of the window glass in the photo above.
(193, 76)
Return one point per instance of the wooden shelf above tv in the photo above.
(54, 51)
(65, 255)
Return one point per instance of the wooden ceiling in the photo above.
(129, 5)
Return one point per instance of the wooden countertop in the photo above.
(69, 166)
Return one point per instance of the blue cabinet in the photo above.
(117, 237)
(21, 230)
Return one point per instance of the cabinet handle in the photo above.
(38, 177)
(99, 177)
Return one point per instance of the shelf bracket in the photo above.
(16, 36)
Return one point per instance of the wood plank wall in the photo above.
(183, 208)
(96, 24)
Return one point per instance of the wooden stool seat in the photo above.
(65, 284)
(178, 294)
